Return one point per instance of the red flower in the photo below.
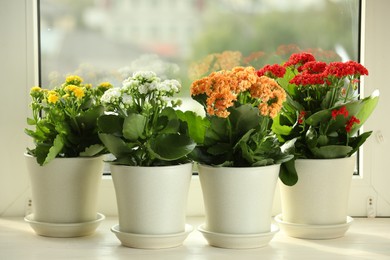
(342, 111)
(273, 71)
(314, 67)
(359, 69)
(308, 79)
(350, 123)
(343, 69)
(299, 59)
(301, 117)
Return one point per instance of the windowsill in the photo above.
(366, 239)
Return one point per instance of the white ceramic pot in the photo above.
(151, 200)
(321, 194)
(66, 189)
(238, 200)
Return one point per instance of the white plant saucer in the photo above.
(64, 229)
(144, 241)
(238, 241)
(313, 231)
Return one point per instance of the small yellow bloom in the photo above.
(88, 86)
(73, 79)
(70, 88)
(105, 85)
(35, 89)
(78, 92)
(52, 97)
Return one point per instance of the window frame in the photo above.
(363, 187)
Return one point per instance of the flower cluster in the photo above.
(141, 126)
(322, 113)
(143, 91)
(239, 107)
(224, 88)
(65, 119)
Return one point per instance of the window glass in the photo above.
(106, 40)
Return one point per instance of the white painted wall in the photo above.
(18, 74)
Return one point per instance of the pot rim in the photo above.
(248, 167)
(69, 158)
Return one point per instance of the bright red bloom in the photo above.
(314, 67)
(273, 71)
(359, 69)
(350, 123)
(299, 59)
(343, 69)
(301, 117)
(342, 111)
(308, 79)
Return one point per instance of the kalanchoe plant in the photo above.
(239, 109)
(141, 126)
(65, 120)
(323, 112)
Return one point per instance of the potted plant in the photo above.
(150, 141)
(66, 163)
(322, 115)
(239, 157)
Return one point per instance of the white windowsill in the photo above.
(366, 239)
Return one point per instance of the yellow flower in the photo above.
(74, 80)
(35, 89)
(52, 97)
(78, 92)
(69, 88)
(105, 85)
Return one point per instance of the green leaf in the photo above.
(219, 148)
(320, 116)
(92, 150)
(368, 106)
(116, 145)
(196, 125)
(263, 162)
(38, 136)
(288, 174)
(361, 109)
(110, 124)
(279, 129)
(31, 121)
(311, 137)
(134, 126)
(168, 121)
(58, 144)
(243, 118)
(358, 141)
(171, 147)
(218, 131)
(331, 151)
(88, 119)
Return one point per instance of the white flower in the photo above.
(129, 84)
(154, 85)
(143, 89)
(146, 75)
(127, 100)
(111, 95)
(170, 85)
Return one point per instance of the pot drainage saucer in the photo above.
(145, 241)
(313, 231)
(238, 241)
(64, 229)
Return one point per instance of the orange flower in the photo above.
(222, 89)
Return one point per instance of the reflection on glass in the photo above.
(106, 40)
